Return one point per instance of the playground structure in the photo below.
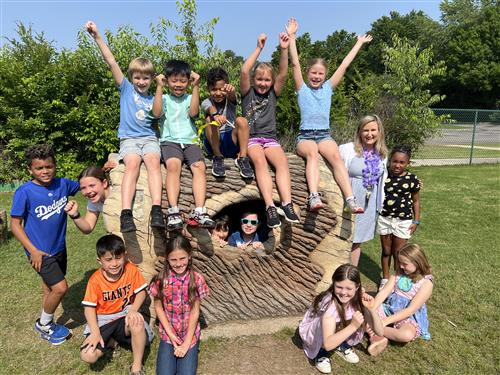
(281, 280)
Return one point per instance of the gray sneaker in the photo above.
(314, 202)
(174, 219)
(200, 219)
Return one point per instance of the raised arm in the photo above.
(194, 106)
(158, 99)
(280, 80)
(291, 29)
(340, 72)
(85, 224)
(247, 66)
(91, 28)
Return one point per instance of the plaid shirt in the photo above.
(175, 300)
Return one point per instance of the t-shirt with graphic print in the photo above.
(111, 297)
(135, 118)
(398, 190)
(260, 111)
(227, 109)
(42, 211)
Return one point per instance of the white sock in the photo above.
(200, 210)
(46, 318)
(285, 203)
(349, 198)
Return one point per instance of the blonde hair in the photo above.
(379, 145)
(140, 65)
(416, 256)
(317, 60)
(262, 66)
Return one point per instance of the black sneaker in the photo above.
(243, 164)
(127, 222)
(288, 212)
(218, 169)
(273, 220)
(156, 217)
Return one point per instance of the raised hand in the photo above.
(261, 40)
(160, 80)
(292, 26)
(195, 78)
(228, 88)
(91, 28)
(357, 319)
(367, 38)
(284, 40)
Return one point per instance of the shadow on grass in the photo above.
(72, 316)
(110, 354)
(369, 268)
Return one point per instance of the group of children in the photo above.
(338, 317)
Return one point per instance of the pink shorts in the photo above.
(263, 142)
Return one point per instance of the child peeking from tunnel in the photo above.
(247, 235)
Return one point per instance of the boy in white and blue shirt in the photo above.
(178, 140)
(39, 224)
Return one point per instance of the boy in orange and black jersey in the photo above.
(114, 294)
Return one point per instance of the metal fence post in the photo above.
(473, 138)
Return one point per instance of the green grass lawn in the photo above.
(449, 152)
(459, 230)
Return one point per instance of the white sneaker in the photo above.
(323, 365)
(348, 355)
(382, 283)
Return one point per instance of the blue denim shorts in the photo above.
(315, 135)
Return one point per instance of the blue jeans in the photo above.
(168, 364)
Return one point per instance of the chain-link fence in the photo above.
(468, 136)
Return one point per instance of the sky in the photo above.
(239, 25)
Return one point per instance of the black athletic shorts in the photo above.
(53, 269)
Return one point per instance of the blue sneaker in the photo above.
(54, 333)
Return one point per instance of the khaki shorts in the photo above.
(393, 225)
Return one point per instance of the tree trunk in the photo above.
(297, 263)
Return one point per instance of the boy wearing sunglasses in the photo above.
(247, 235)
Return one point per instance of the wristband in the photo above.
(77, 216)
(417, 222)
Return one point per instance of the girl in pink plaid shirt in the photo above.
(177, 292)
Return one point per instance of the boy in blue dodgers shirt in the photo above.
(113, 297)
(138, 138)
(230, 138)
(39, 223)
(178, 140)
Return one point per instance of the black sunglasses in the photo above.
(248, 221)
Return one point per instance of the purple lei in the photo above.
(371, 172)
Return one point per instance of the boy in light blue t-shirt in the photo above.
(138, 138)
(178, 140)
(39, 223)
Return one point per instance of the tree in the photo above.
(472, 53)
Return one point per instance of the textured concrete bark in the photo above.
(280, 281)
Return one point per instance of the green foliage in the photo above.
(472, 52)
(68, 98)
(401, 96)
